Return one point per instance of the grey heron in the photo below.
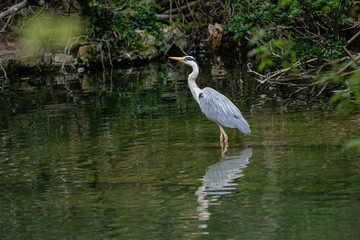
(213, 104)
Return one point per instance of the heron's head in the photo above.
(188, 60)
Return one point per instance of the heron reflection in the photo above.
(218, 180)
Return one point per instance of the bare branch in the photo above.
(175, 10)
(13, 9)
(353, 37)
(322, 89)
(3, 69)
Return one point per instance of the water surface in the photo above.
(127, 154)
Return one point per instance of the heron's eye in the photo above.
(190, 59)
(201, 95)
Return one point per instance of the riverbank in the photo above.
(102, 35)
(311, 55)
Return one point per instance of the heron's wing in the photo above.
(221, 110)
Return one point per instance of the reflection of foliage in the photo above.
(48, 123)
(352, 144)
(127, 94)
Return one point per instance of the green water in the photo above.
(128, 155)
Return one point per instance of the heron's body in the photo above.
(221, 110)
(213, 104)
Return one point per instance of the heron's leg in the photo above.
(223, 135)
(224, 147)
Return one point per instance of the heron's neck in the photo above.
(195, 90)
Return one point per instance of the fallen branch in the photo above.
(290, 79)
(274, 76)
(349, 73)
(175, 10)
(166, 17)
(252, 71)
(6, 24)
(303, 88)
(13, 9)
(356, 59)
(353, 37)
(322, 89)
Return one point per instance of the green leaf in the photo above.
(352, 144)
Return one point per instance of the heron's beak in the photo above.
(180, 59)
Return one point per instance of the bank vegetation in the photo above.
(310, 46)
